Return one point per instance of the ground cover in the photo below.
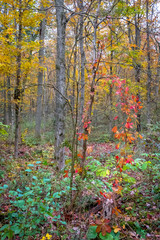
(35, 200)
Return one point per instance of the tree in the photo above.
(40, 78)
(149, 76)
(17, 92)
(60, 83)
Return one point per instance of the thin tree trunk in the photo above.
(137, 67)
(60, 84)
(74, 71)
(148, 66)
(158, 74)
(81, 42)
(74, 79)
(110, 89)
(5, 121)
(92, 90)
(9, 106)
(17, 93)
(40, 80)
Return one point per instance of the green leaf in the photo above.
(38, 162)
(4, 227)
(28, 170)
(30, 165)
(45, 180)
(63, 222)
(102, 172)
(34, 177)
(108, 236)
(56, 195)
(13, 193)
(91, 234)
(15, 228)
(144, 166)
(4, 236)
(128, 179)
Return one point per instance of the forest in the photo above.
(79, 119)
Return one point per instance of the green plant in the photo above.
(3, 131)
(32, 205)
(93, 233)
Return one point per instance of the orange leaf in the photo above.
(80, 155)
(98, 229)
(114, 129)
(84, 136)
(89, 149)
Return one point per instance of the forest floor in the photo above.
(35, 199)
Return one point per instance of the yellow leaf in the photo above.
(107, 172)
(128, 208)
(116, 229)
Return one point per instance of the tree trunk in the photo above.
(148, 66)
(137, 67)
(110, 89)
(60, 84)
(81, 42)
(9, 106)
(5, 121)
(17, 92)
(158, 74)
(40, 80)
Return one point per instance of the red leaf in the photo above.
(108, 229)
(66, 173)
(129, 125)
(117, 146)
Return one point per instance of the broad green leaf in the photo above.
(91, 234)
(108, 236)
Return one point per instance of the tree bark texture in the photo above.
(158, 74)
(60, 84)
(40, 80)
(137, 67)
(148, 66)
(9, 106)
(17, 92)
(81, 43)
